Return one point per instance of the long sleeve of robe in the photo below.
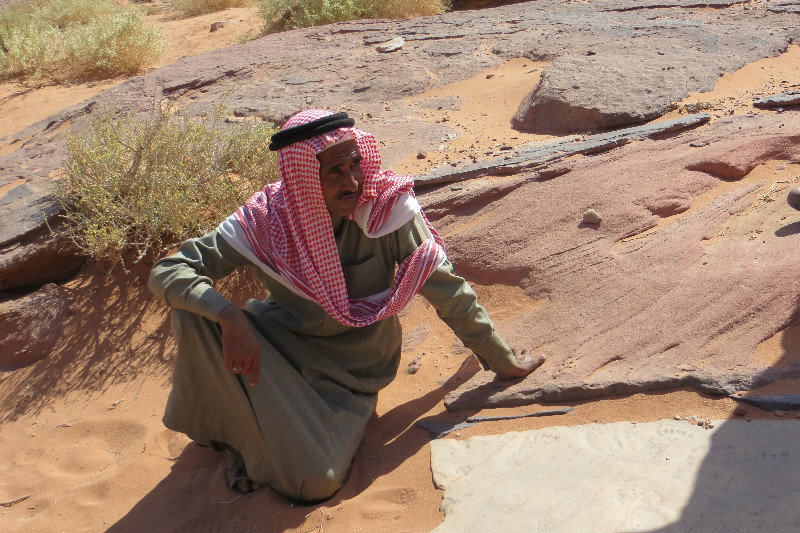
(299, 427)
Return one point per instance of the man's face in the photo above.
(340, 175)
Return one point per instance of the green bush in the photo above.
(66, 40)
(282, 15)
(191, 8)
(131, 185)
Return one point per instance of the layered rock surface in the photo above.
(636, 54)
(676, 286)
(691, 268)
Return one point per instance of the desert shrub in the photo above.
(133, 185)
(75, 39)
(191, 8)
(282, 15)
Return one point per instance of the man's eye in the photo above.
(356, 162)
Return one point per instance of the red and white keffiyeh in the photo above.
(286, 230)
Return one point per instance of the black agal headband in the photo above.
(311, 129)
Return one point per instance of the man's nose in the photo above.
(349, 181)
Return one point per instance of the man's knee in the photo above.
(316, 485)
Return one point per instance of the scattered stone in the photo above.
(489, 76)
(778, 100)
(552, 412)
(391, 46)
(794, 198)
(415, 363)
(216, 26)
(677, 417)
(422, 155)
(778, 402)
(590, 216)
(439, 428)
(31, 326)
(457, 188)
(302, 80)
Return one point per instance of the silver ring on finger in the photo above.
(237, 369)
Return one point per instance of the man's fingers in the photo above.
(246, 366)
(537, 361)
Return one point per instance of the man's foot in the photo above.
(236, 473)
(794, 198)
(526, 363)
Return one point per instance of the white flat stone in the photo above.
(666, 476)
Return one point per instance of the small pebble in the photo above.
(421, 155)
(391, 46)
(677, 417)
(414, 365)
(794, 198)
(489, 76)
(590, 216)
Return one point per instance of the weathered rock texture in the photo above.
(579, 93)
(337, 67)
(675, 287)
(30, 326)
(659, 477)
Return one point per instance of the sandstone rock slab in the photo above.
(30, 326)
(39, 258)
(678, 285)
(580, 93)
(666, 476)
(778, 100)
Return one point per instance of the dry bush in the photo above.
(282, 15)
(143, 186)
(65, 40)
(190, 8)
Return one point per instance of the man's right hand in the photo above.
(240, 349)
(525, 363)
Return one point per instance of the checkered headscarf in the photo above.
(285, 228)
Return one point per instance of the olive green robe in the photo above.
(299, 427)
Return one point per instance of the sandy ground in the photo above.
(82, 444)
